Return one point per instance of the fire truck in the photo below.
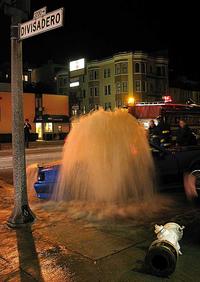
(170, 112)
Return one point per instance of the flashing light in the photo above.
(131, 101)
(167, 99)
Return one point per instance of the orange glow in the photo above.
(131, 101)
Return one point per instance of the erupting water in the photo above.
(106, 158)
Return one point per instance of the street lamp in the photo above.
(131, 101)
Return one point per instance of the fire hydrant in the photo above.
(162, 255)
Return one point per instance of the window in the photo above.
(163, 71)
(158, 70)
(107, 90)
(143, 68)
(106, 73)
(91, 75)
(117, 69)
(124, 86)
(118, 88)
(137, 67)
(119, 103)
(94, 74)
(138, 85)
(96, 91)
(124, 67)
(143, 86)
(25, 77)
(91, 91)
(48, 127)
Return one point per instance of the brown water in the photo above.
(106, 158)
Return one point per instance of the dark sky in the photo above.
(97, 29)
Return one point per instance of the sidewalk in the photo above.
(64, 245)
(36, 144)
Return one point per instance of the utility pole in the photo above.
(22, 213)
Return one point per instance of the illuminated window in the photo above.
(48, 127)
(25, 77)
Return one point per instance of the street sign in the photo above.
(41, 24)
(40, 13)
(75, 107)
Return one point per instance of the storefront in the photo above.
(51, 127)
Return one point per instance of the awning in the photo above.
(52, 118)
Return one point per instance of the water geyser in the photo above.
(106, 158)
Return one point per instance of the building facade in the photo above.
(109, 83)
(47, 114)
(180, 95)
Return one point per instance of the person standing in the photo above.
(27, 129)
(163, 132)
(184, 135)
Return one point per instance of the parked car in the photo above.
(170, 164)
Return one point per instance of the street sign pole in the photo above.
(21, 214)
(41, 22)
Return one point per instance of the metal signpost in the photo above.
(41, 22)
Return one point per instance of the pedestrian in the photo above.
(184, 135)
(27, 129)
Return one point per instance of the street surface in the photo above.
(33, 155)
(76, 242)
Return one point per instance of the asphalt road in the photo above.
(36, 155)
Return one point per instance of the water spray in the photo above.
(163, 253)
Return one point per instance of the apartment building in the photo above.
(110, 82)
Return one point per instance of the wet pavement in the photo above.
(68, 244)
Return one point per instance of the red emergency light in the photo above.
(167, 99)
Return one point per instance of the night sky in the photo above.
(97, 29)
